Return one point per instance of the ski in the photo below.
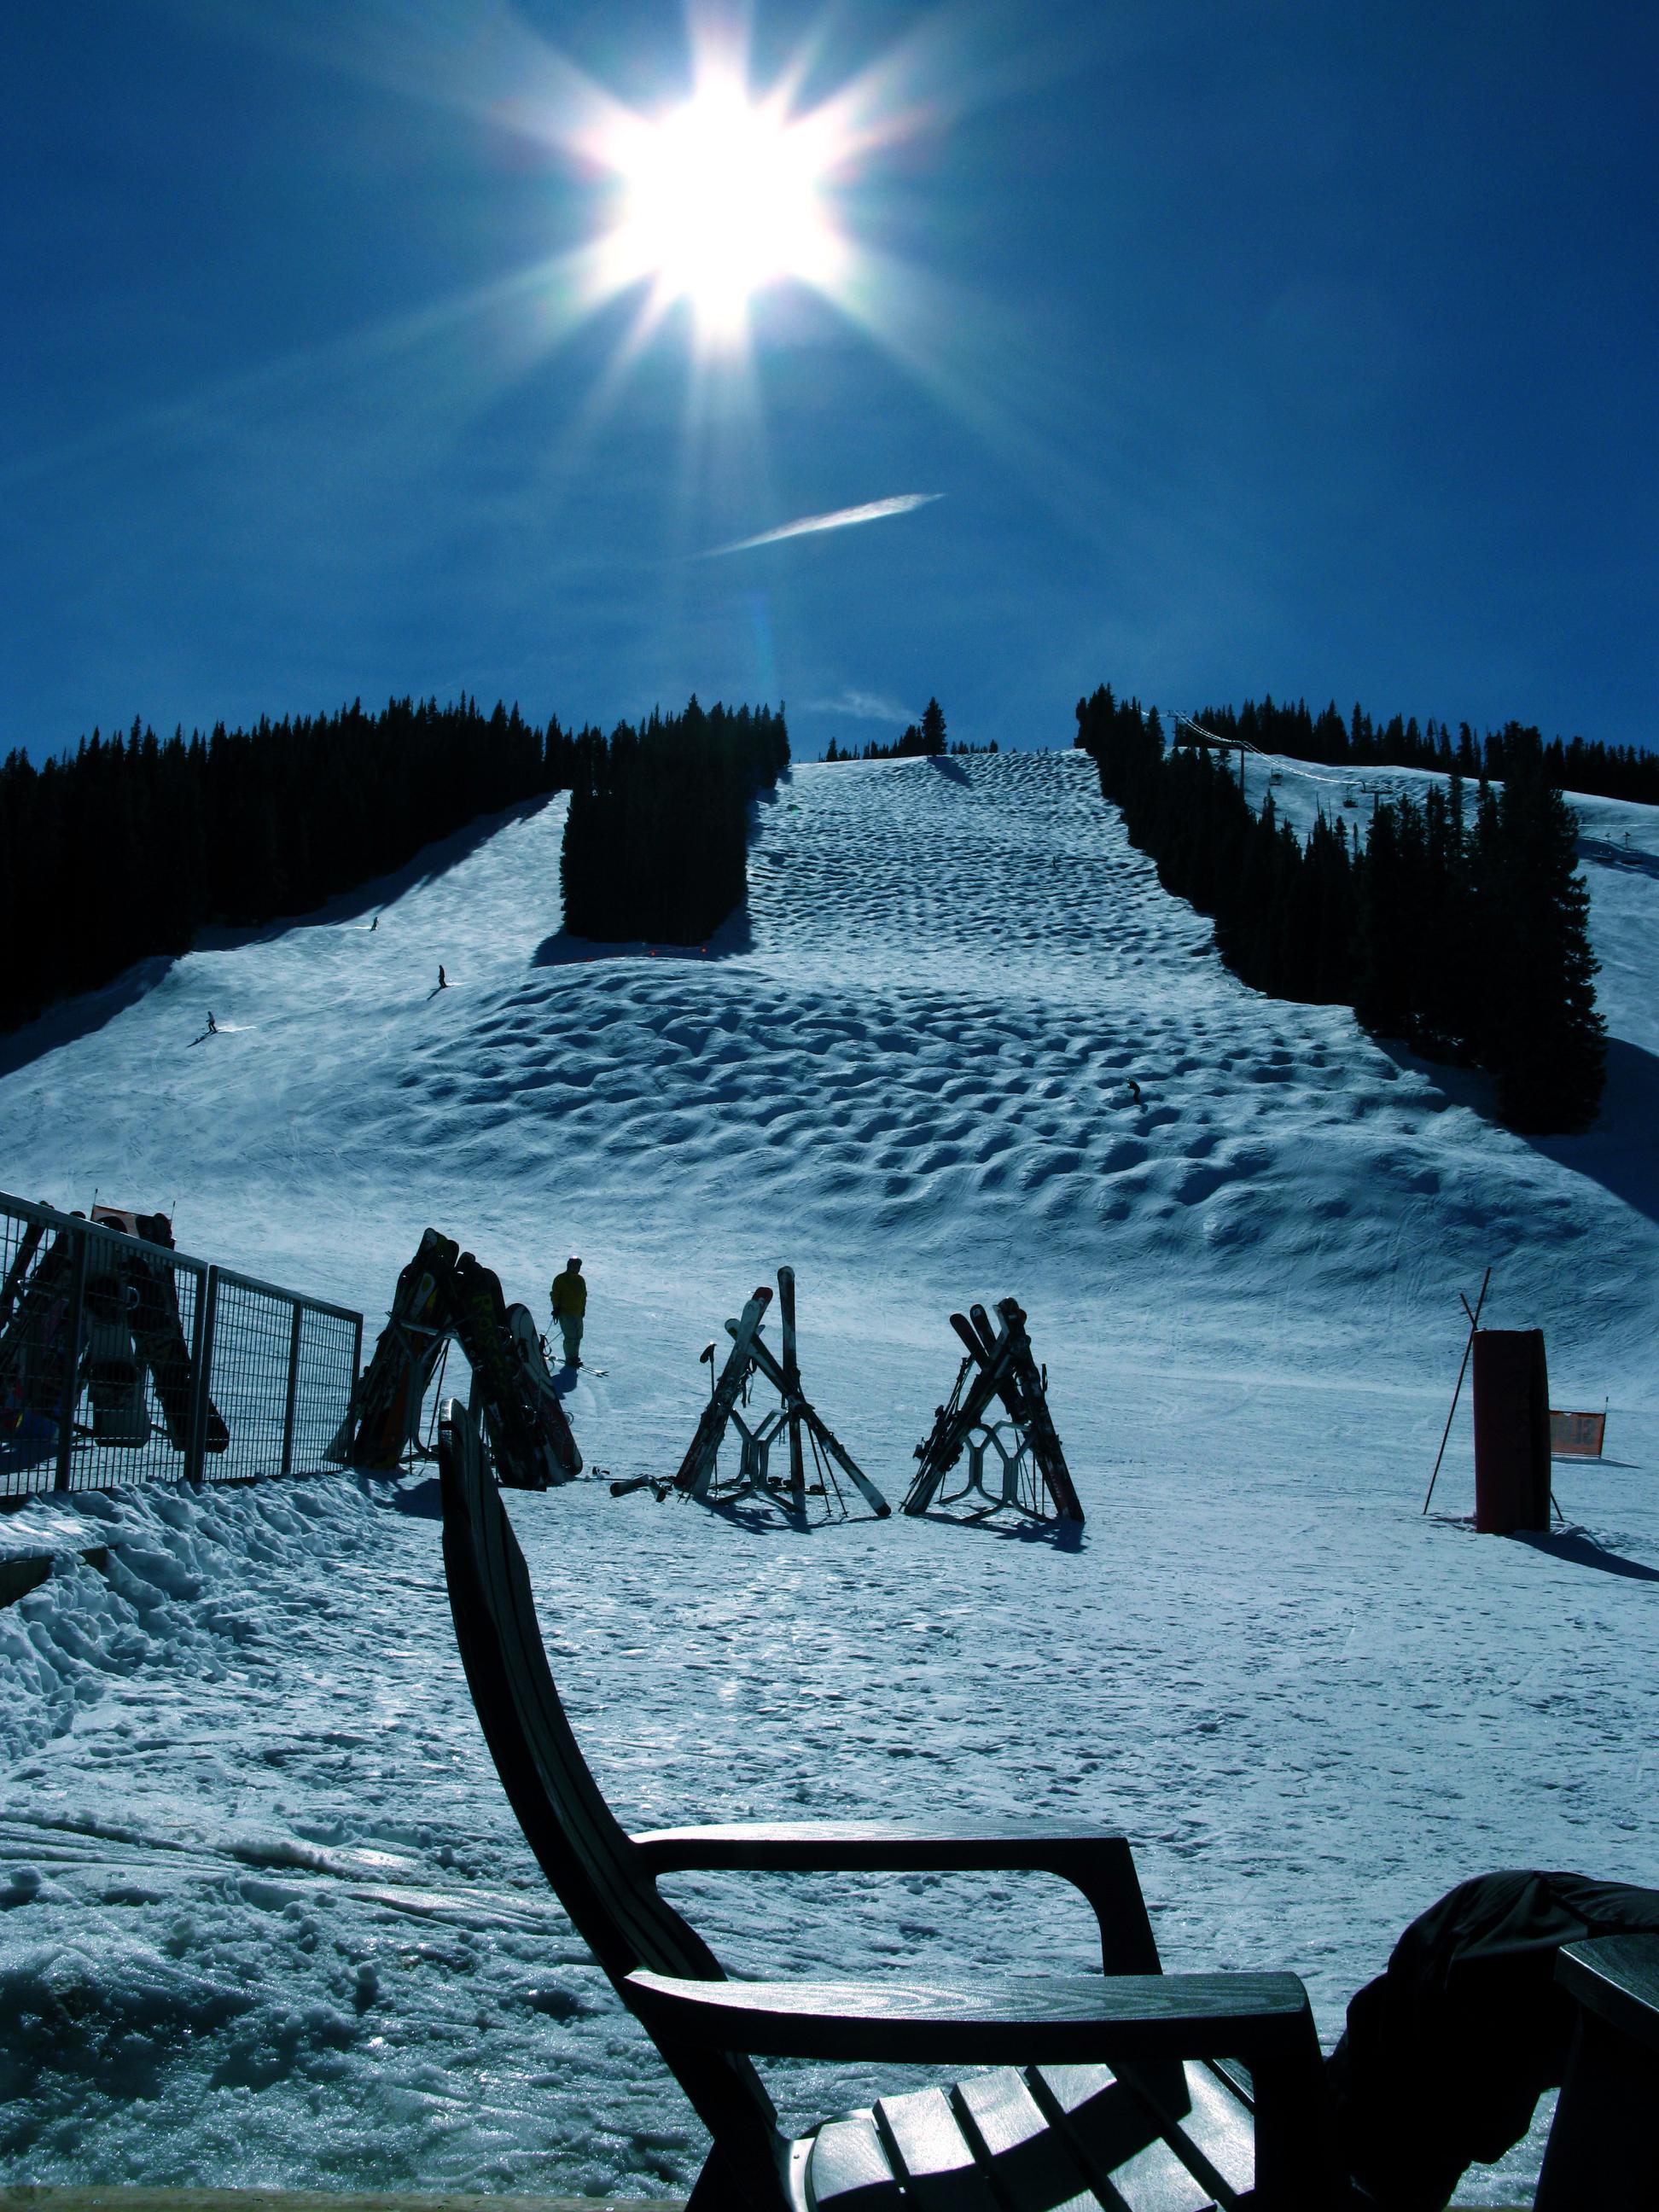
(696, 1469)
(767, 1363)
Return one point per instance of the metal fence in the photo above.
(123, 1361)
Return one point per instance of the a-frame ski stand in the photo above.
(1030, 1473)
(809, 1437)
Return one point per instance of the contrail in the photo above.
(842, 519)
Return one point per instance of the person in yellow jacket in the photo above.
(570, 1299)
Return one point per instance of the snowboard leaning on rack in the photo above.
(531, 1448)
(444, 1293)
(384, 1417)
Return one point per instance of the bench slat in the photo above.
(848, 2170)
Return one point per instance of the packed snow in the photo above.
(273, 1920)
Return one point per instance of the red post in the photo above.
(1511, 1432)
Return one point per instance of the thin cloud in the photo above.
(862, 706)
(877, 510)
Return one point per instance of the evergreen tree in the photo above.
(1467, 940)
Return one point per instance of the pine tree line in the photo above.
(131, 844)
(1611, 771)
(656, 843)
(923, 740)
(1461, 930)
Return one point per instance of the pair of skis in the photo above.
(751, 1355)
(1000, 1365)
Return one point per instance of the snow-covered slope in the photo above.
(913, 1078)
(246, 1796)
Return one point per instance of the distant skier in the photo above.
(568, 1296)
(374, 925)
(1134, 1089)
(443, 980)
(213, 1026)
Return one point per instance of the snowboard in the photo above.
(36, 1358)
(531, 1349)
(110, 1368)
(159, 1336)
(525, 1457)
(386, 1409)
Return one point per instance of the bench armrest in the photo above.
(1073, 2019)
(1099, 1865)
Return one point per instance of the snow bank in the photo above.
(170, 1597)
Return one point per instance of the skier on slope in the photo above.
(443, 980)
(568, 1297)
(213, 1026)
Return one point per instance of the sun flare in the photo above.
(721, 197)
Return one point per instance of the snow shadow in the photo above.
(951, 770)
(1618, 1152)
(1580, 1549)
(374, 896)
(734, 937)
(1058, 1535)
(1618, 856)
(77, 1018)
(422, 1501)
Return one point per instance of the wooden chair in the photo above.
(1131, 2089)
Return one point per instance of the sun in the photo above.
(721, 198)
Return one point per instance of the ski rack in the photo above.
(1034, 1477)
(809, 1436)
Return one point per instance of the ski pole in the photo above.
(1474, 1323)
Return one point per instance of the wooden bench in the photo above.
(1129, 2090)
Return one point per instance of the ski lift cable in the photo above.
(1286, 761)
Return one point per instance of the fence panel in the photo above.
(330, 1353)
(123, 1361)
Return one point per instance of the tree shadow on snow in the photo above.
(91, 1010)
(951, 770)
(733, 937)
(1618, 1152)
(1626, 857)
(73, 1019)
(381, 893)
(1580, 1549)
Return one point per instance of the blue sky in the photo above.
(1244, 347)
